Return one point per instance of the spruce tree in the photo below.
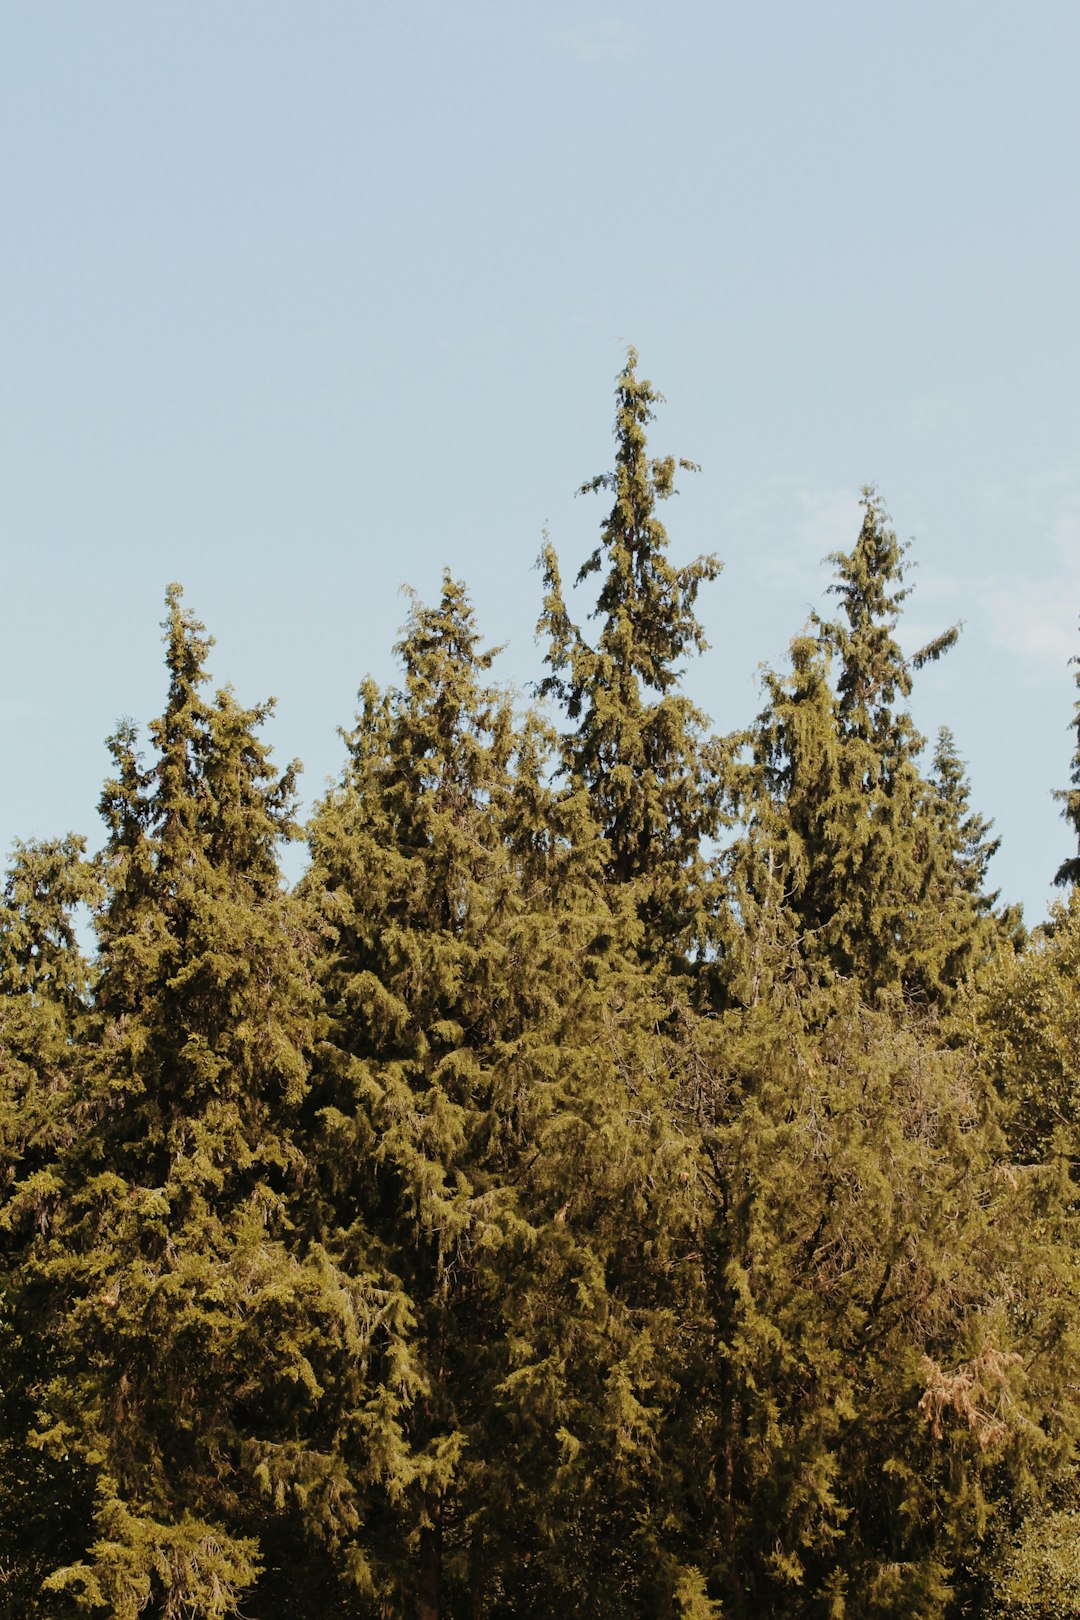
(491, 1116)
(964, 833)
(863, 1416)
(637, 747)
(45, 991)
(410, 878)
(960, 922)
(179, 1320)
(842, 826)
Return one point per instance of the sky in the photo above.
(300, 303)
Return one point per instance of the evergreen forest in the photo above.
(632, 1174)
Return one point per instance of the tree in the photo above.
(1069, 870)
(409, 873)
(842, 828)
(45, 992)
(961, 923)
(884, 1337)
(965, 833)
(1028, 1018)
(637, 748)
(1026, 1022)
(491, 1114)
(179, 1320)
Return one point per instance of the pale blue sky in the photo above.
(302, 301)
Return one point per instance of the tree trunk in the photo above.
(477, 1606)
(428, 1605)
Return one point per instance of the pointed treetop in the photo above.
(870, 585)
(638, 748)
(647, 606)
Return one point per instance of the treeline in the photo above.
(631, 1174)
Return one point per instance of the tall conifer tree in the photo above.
(180, 1322)
(45, 993)
(410, 875)
(638, 747)
(491, 1114)
(837, 1133)
(839, 814)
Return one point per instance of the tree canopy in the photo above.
(631, 1173)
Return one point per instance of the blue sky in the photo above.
(302, 302)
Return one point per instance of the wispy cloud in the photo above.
(1032, 610)
(604, 42)
(795, 530)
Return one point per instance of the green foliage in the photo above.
(876, 870)
(1039, 1572)
(1029, 1030)
(541, 1209)
(45, 989)
(871, 1360)
(416, 1117)
(176, 1318)
(492, 1119)
(637, 748)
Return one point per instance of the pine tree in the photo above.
(842, 827)
(490, 1117)
(179, 1318)
(45, 989)
(638, 747)
(960, 922)
(1069, 870)
(965, 833)
(408, 873)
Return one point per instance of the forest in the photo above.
(631, 1173)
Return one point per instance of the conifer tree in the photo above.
(960, 922)
(1027, 1029)
(1069, 870)
(836, 1132)
(886, 1350)
(779, 871)
(45, 988)
(1029, 1021)
(491, 1117)
(964, 832)
(840, 820)
(638, 747)
(410, 878)
(180, 1322)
